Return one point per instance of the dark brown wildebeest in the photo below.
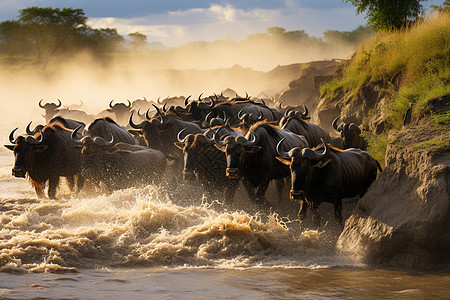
(119, 165)
(253, 158)
(105, 127)
(326, 174)
(46, 156)
(350, 134)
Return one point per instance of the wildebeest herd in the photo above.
(215, 140)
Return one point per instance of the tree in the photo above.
(388, 14)
(52, 29)
(138, 40)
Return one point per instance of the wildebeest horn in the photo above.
(147, 116)
(164, 107)
(161, 116)
(225, 117)
(110, 103)
(73, 136)
(287, 111)
(240, 117)
(280, 152)
(254, 140)
(28, 131)
(264, 103)
(334, 124)
(246, 96)
(260, 114)
(130, 121)
(59, 105)
(212, 104)
(31, 140)
(208, 117)
(186, 101)
(200, 97)
(40, 104)
(102, 142)
(325, 152)
(216, 137)
(129, 103)
(179, 135)
(157, 100)
(139, 114)
(305, 113)
(11, 135)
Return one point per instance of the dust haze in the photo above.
(191, 69)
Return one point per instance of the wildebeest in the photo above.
(253, 157)
(105, 127)
(160, 132)
(51, 109)
(46, 156)
(119, 165)
(67, 123)
(312, 132)
(203, 161)
(326, 174)
(350, 134)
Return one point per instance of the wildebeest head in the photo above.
(193, 146)
(294, 113)
(51, 109)
(149, 129)
(234, 148)
(120, 110)
(350, 134)
(23, 148)
(247, 120)
(211, 121)
(302, 163)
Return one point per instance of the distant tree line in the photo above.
(45, 33)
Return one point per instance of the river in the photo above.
(155, 242)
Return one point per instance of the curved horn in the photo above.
(139, 114)
(130, 121)
(147, 116)
(102, 142)
(240, 117)
(11, 135)
(161, 116)
(110, 104)
(280, 152)
(216, 139)
(31, 140)
(40, 104)
(260, 114)
(199, 97)
(59, 103)
(325, 151)
(207, 118)
(179, 135)
(225, 117)
(305, 113)
(164, 107)
(157, 100)
(129, 103)
(73, 136)
(28, 131)
(212, 104)
(254, 140)
(287, 111)
(334, 124)
(186, 101)
(263, 102)
(246, 96)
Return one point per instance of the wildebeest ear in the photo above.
(40, 148)
(285, 160)
(252, 149)
(179, 145)
(323, 162)
(10, 147)
(222, 148)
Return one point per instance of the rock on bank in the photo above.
(404, 219)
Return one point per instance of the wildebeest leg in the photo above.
(71, 181)
(316, 215)
(39, 192)
(302, 210)
(80, 183)
(280, 184)
(52, 184)
(230, 190)
(261, 191)
(338, 210)
(250, 189)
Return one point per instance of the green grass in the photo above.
(434, 144)
(412, 65)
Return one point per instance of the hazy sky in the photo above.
(177, 22)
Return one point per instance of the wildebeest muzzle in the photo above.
(19, 172)
(233, 173)
(300, 195)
